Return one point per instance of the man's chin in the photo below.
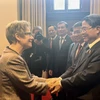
(28, 47)
(85, 39)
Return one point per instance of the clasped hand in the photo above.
(54, 84)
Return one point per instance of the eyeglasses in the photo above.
(77, 32)
(84, 29)
(28, 33)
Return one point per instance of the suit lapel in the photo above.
(75, 57)
(65, 40)
(56, 44)
(74, 52)
(87, 55)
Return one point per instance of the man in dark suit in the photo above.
(85, 78)
(52, 34)
(60, 48)
(76, 48)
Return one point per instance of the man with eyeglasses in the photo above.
(84, 82)
(76, 48)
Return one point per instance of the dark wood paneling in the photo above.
(66, 16)
(71, 17)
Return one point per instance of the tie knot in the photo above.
(61, 38)
(80, 46)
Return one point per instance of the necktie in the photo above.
(78, 50)
(51, 43)
(85, 52)
(60, 42)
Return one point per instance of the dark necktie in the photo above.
(85, 52)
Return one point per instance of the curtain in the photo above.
(33, 11)
(94, 6)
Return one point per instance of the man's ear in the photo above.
(98, 29)
(17, 36)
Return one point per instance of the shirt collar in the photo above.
(82, 44)
(93, 43)
(54, 37)
(63, 36)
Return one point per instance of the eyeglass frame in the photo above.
(77, 32)
(85, 29)
(28, 33)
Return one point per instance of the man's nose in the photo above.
(83, 32)
(32, 37)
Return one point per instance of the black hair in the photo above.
(63, 22)
(93, 20)
(53, 26)
(77, 24)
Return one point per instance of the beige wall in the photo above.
(8, 13)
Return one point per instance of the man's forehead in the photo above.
(77, 28)
(61, 24)
(84, 23)
(51, 27)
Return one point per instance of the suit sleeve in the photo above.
(69, 61)
(67, 73)
(89, 77)
(19, 75)
(51, 57)
(69, 64)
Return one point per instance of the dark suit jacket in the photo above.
(71, 54)
(85, 76)
(59, 57)
(36, 58)
(72, 60)
(50, 56)
(16, 81)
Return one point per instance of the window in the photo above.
(57, 10)
(59, 4)
(66, 4)
(73, 4)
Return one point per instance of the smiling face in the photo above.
(62, 30)
(19, 35)
(26, 40)
(89, 34)
(52, 31)
(77, 36)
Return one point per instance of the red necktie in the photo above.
(51, 43)
(78, 50)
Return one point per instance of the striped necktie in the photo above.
(78, 50)
(60, 42)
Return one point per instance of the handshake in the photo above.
(54, 84)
